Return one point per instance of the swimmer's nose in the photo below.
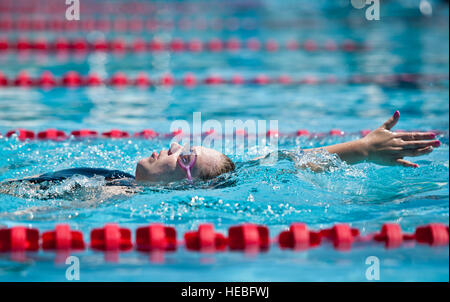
(174, 148)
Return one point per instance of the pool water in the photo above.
(364, 196)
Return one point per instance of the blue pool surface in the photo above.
(364, 196)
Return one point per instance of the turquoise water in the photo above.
(365, 195)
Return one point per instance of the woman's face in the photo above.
(163, 167)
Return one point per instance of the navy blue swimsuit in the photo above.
(119, 177)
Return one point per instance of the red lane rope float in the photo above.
(391, 235)
(205, 239)
(73, 79)
(147, 133)
(111, 238)
(116, 134)
(194, 45)
(19, 239)
(59, 135)
(298, 237)
(156, 237)
(248, 236)
(244, 237)
(22, 134)
(62, 238)
(341, 235)
(52, 134)
(84, 133)
(433, 234)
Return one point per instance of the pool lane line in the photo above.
(194, 45)
(59, 135)
(73, 79)
(47, 8)
(157, 239)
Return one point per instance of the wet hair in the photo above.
(226, 165)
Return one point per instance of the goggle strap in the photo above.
(188, 167)
(188, 172)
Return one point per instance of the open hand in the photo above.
(384, 147)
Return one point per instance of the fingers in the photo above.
(406, 163)
(420, 144)
(414, 136)
(390, 123)
(416, 152)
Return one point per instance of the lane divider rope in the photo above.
(244, 237)
(93, 8)
(60, 135)
(139, 24)
(194, 45)
(119, 79)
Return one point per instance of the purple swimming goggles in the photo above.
(186, 161)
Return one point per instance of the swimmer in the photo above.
(381, 146)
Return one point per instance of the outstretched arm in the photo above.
(384, 147)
